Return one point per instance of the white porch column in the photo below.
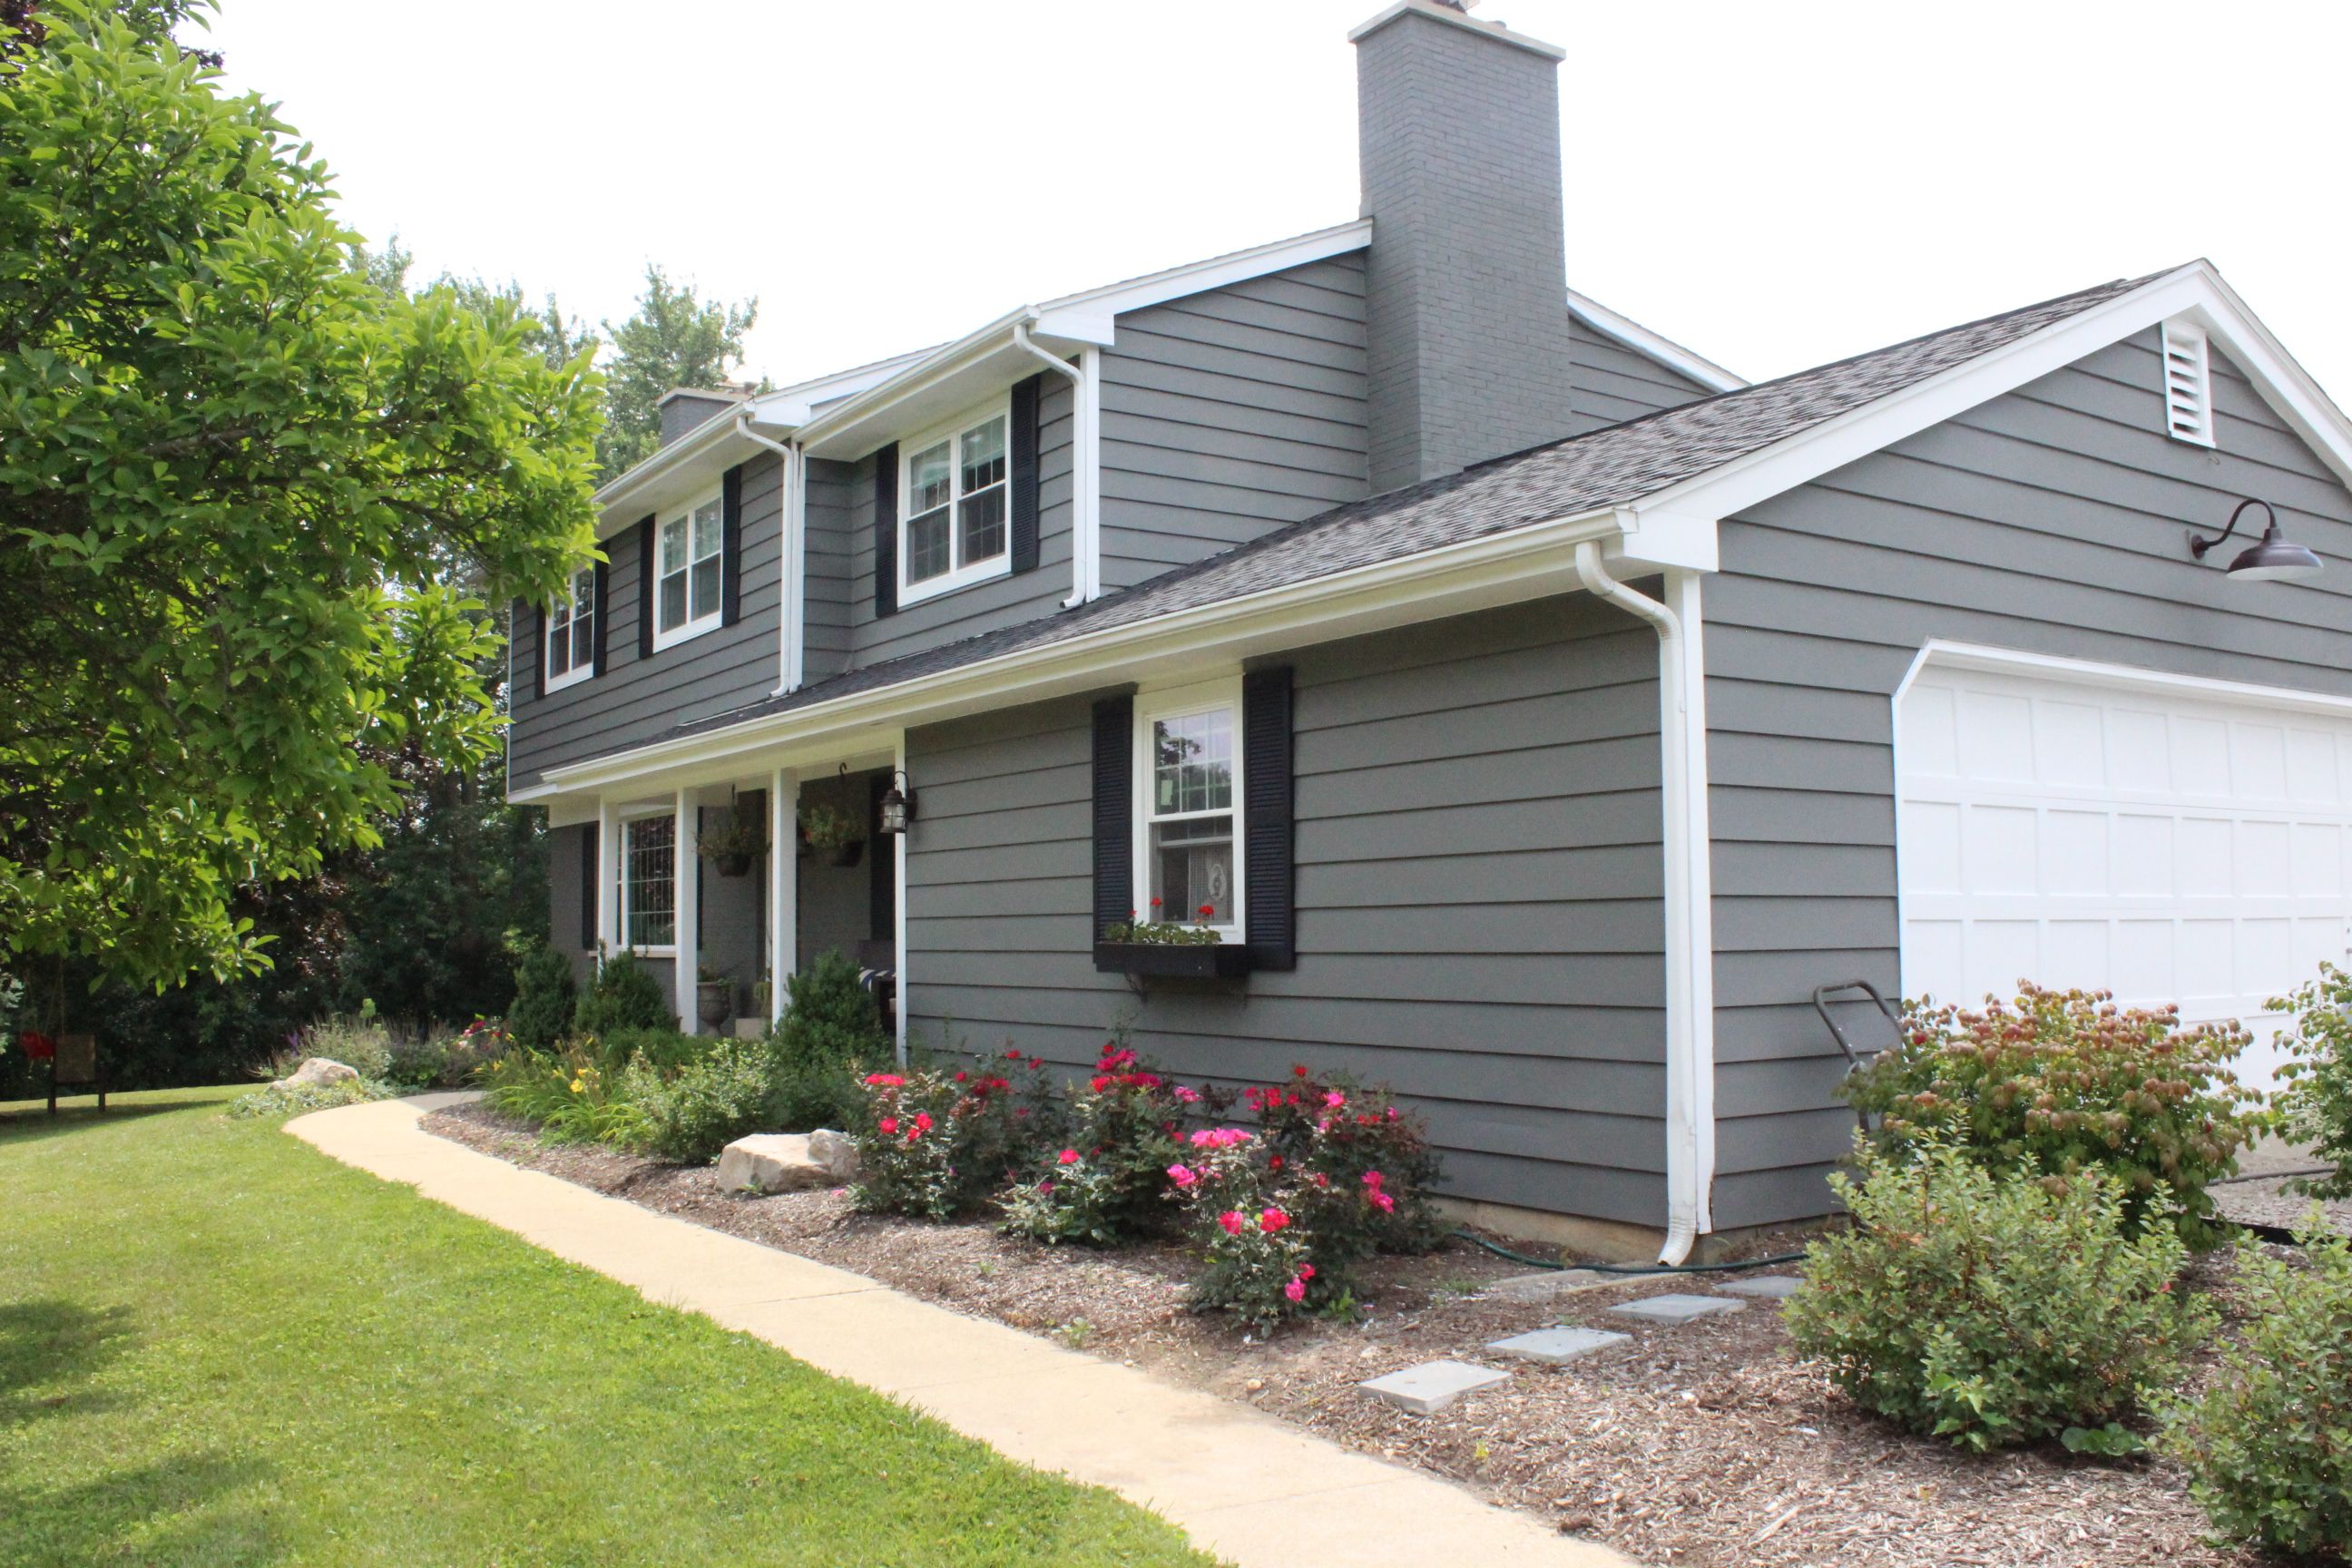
(687, 870)
(783, 885)
(608, 876)
(899, 903)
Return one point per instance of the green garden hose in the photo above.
(1499, 1250)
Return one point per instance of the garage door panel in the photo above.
(2170, 848)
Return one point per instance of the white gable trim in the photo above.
(1663, 351)
(2195, 290)
(1199, 277)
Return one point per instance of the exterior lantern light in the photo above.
(2273, 559)
(898, 805)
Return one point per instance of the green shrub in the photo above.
(2268, 1446)
(2065, 1081)
(828, 1015)
(662, 1047)
(626, 995)
(692, 1113)
(1107, 1183)
(290, 1100)
(547, 998)
(2315, 1106)
(1990, 1310)
(361, 1041)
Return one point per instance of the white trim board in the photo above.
(1630, 333)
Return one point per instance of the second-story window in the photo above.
(571, 631)
(952, 508)
(686, 571)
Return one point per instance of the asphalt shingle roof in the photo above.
(1613, 466)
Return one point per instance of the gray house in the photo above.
(1539, 712)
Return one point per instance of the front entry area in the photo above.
(2169, 840)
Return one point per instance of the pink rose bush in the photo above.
(935, 1144)
(1106, 1185)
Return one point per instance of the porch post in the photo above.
(608, 877)
(686, 869)
(783, 885)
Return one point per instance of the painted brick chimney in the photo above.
(1458, 134)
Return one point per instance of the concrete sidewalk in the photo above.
(1242, 1485)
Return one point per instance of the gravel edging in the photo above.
(1705, 1445)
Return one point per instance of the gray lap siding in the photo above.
(1612, 384)
(1478, 890)
(2051, 520)
(632, 699)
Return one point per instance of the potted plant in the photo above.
(1171, 948)
(735, 843)
(714, 995)
(834, 832)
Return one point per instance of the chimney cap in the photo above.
(1455, 14)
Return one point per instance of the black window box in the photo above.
(1180, 961)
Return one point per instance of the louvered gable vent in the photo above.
(2188, 384)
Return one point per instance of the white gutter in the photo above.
(1086, 469)
(1689, 890)
(789, 554)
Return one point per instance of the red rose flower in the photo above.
(1069, 1156)
(1273, 1220)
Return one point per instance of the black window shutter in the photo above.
(1273, 924)
(886, 531)
(539, 642)
(592, 873)
(1023, 480)
(603, 613)
(731, 546)
(1113, 812)
(645, 589)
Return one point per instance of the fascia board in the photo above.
(1650, 345)
(1217, 271)
(1526, 563)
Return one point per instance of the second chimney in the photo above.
(1458, 132)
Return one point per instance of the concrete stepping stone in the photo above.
(1430, 1387)
(1558, 1347)
(1675, 1309)
(1544, 1286)
(1764, 1286)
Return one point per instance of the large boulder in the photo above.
(771, 1163)
(323, 1071)
(836, 1152)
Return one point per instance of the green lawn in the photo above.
(218, 1346)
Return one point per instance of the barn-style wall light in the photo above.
(897, 804)
(2274, 559)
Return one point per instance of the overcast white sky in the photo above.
(1772, 185)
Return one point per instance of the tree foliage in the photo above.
(674, 340)
(244, 494)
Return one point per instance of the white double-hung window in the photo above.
(688, 565)
(571, 631)
(1188, 821)
(649, 882)
(953, 508)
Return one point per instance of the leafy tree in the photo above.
(674, 340)
(239, 486)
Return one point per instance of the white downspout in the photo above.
(1086, 470)
(1689, 891)
(790, 556)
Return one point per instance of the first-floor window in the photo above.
(688, 575)
(1190, 774)
(571, 631)
(648, 882)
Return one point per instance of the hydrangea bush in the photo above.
(2062, 1083)
(1989, 1311)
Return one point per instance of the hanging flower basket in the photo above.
(37, 1047)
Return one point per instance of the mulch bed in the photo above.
(1705, 1445)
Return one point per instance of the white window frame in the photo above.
(621, 892)
(583, 582)
(694, 626)
(983, 571)
(1180, 702)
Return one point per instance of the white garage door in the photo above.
(2075, 827)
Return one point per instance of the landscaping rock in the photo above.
(836, 1152)
(1558, 1347)
(322, 1069)
(1766, 1287)
(1544, 1287)
(771, 1162)
(1675, 1308)
(1430, 1387)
